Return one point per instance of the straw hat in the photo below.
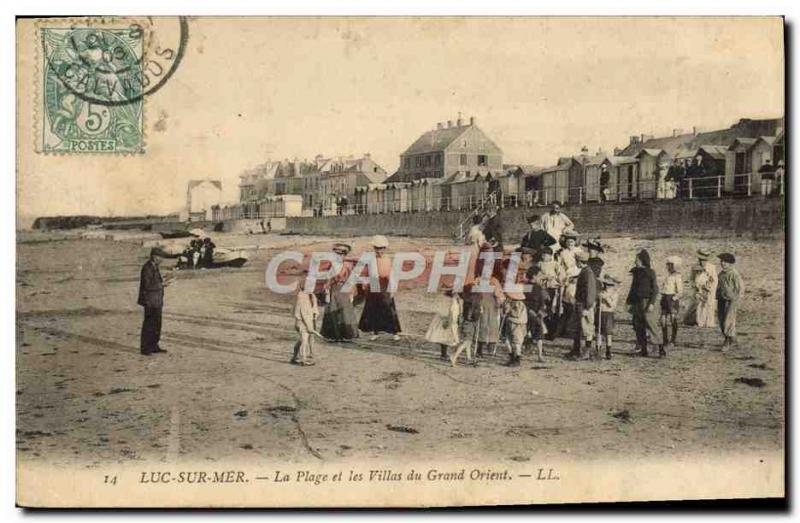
(675, 261)
(582, 256)
(703, 254)
(594, 244)
(727, 257)
(379, 242)
(569, 234)
(341, 248)
(609, 280)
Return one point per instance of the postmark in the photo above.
(94, 77)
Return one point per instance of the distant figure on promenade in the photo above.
(605, 179)
(702, 307)
(555, 222)
(380, 312)
(151, 297)
(779, 173)
(339, 321)
(729, 290)
(674, 179)
(767, 172)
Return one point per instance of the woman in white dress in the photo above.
(702, 309)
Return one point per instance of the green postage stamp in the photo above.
(92, 88)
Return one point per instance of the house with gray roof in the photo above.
(449, 149)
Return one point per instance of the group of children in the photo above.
(563, 294)
(567, 292)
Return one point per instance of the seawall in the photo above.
(747, 217)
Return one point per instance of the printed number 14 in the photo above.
(111, 480)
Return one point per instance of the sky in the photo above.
(253, 89)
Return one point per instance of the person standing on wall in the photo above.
(556, 223)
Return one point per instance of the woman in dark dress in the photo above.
(641, 303)
(339, 321)
(380, 313)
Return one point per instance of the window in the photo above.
(437, 159)
(462, 159)
(482, 160)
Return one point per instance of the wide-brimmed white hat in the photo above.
(379, 241)
(674, 260)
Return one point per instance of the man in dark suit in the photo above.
(585, 299)
(536, 238)
(151, 297)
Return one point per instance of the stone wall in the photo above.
(749, 217)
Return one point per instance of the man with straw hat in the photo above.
(671, 292)
(728, 293)
(380, 312)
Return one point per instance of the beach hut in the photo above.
(653, 164)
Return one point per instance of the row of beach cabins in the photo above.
(725, 171)
(689, 166)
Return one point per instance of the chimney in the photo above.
(449, 123)
(634, 140)
(439, 125)
(459, 121)
(472, 120)
(584, 149)
(368, 155)
(694, 130)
